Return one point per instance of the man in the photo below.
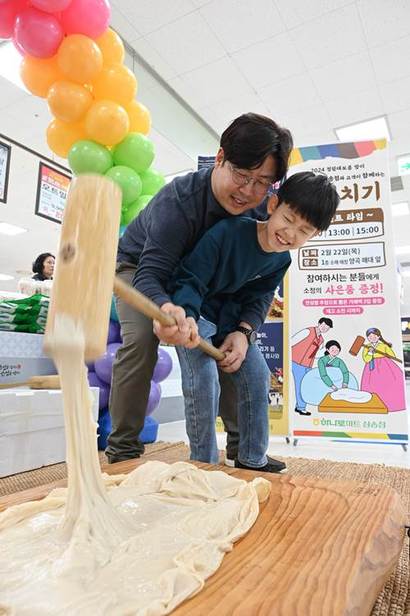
(305, 345)
(253, 154)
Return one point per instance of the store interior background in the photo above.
(312, 66)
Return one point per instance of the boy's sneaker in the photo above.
(272, 465)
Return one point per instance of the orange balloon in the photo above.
(69, 101)
(79, 58)
(38, 75)
(117, 83)
(140, 118)
(106, 122)
(61, 136)
(111, 47)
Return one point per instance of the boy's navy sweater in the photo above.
(226, 272)
(168, 229)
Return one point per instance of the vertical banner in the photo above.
(346, 346)
(52, 189)
(5, 152)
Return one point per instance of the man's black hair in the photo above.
(38, 264)
(312, 196)
(328, 322)
(251, 138)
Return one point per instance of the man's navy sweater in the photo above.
(226, 272)
(168, 229)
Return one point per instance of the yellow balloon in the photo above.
(79, 58)
(117, 83)
(61, 136)
(111, 47)
(38, 75)
(106, 122)
(140, 118)
(69, 101)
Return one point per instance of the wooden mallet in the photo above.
(86, 277)
(359, 342)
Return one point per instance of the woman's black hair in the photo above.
(38, 264)
(331, 343)
(251, 138)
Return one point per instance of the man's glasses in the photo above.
(241, 179)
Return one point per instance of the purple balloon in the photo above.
(163, 366)
(103, 365)
(154, 398)
(114, 332)
(94, 381)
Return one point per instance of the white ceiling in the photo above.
(311, 65)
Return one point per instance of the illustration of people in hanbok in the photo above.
(330, 375)
(382, 374)
(305, 345)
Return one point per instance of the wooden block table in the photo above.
(374, 406)
(318, 548)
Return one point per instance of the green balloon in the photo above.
(135, 151)
(89, 157)
(152, 182)
(129, 213)
(129, 182)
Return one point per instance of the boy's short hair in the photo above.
(251, 138)
(312, 196)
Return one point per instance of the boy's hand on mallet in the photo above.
(235, 346)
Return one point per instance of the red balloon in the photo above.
(9, 10)
(50, 6)
(38, 33)
(89, 17)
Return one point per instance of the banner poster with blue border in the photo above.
(346, 343)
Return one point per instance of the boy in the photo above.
(237, 262)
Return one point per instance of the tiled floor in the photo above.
(391, 455)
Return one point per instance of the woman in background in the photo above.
(43, 266)
(381, 374)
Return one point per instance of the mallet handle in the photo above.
(369, 346)
(141, 303)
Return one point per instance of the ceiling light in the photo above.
(368, 130)
(402, 250)
(10, 61)
(403, 164)
(7, 229)
(400, 209)
(6, 277)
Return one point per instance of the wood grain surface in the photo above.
(318, 548)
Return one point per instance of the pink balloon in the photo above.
(50, 6)
(38, 33)
(8, 13)
(89, 17)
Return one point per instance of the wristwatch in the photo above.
(249, 333)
